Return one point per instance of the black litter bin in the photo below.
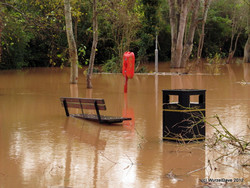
(183, 120)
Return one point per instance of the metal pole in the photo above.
(156, 54)
(126, 84)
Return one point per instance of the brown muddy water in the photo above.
(41, 147)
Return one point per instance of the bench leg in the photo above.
(81, 106)
(66, 107)
(98, 113)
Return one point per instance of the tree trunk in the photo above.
(181, 32)
(204, 19)
(75, 30)
(94, 45)
(232, 51)
(178, 11)
(178, 25)
(173, 24)
(73, 58)
(247, 51)
(188, 47)
(236, 28)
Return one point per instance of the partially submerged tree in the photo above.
(247, 51)
(238, 24)
(182, 33)
(94, 45)
(73, 58)
(206, 5)
(247, 45)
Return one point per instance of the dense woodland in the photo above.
(33, 33)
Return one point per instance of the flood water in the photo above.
(41, 147)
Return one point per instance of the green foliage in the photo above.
(215, 63)
(120, 23)
(149, 28)
(82, 54)
(111, 66)
(34, 31)
(15, 42)
(222, 15)
(164, 33)
(216, 59)
(217, 33)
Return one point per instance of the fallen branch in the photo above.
(230, 138)
(108, 158)
(196, 170)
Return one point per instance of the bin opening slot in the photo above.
(194, 99)
(174, 99)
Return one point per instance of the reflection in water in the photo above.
(73, 90)
(246, 67)
(41, 147)
(129, 113)
(89, 93)
(89, 139)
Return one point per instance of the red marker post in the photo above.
(128, 68)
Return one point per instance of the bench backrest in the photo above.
(83, 103)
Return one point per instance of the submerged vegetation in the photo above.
(111, 66)
(223, 136)
(215, 63)
(227, 145)
(222, 148)
(226, 149)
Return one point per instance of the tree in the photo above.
(247, 45)
(15, 32)
(94, 45)
(181, 47)
(73, 58)
(247, 51)
(149, 20)
(204, 18)
(31, 32)
(237, 24)
(121, 18)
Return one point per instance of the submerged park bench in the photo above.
(90, 104)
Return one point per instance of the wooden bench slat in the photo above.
(85, 106)
(82, 100)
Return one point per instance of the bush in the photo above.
(111, 66)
